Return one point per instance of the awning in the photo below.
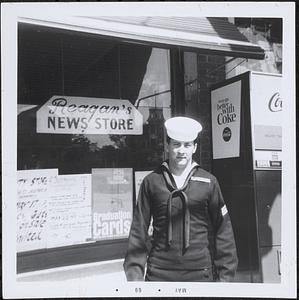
(212, 35)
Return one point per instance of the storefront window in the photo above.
(60, 64)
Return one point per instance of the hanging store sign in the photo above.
(81, 115)
(226, 109)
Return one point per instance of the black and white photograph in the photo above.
(148, 149)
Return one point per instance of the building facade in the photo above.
(93, 95)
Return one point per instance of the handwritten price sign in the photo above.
(32, 208)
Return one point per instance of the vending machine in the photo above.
(246, 114)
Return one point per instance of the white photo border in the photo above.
(11, 13)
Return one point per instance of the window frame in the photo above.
(102, 250)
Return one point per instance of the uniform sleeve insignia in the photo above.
(224, 210)
(202, 179)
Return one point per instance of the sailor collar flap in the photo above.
(184, 198)
(170, 180)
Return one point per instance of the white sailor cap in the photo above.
(182, 128)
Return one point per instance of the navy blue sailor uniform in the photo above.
(191, 230)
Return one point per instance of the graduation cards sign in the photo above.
(226, 109)
(82, 115)
(112, 203)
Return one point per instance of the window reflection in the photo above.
(55, 61)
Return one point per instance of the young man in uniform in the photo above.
(192, 237)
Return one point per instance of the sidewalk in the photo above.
(110, 270)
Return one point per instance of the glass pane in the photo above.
(65, 63)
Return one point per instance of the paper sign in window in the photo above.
(112, 199)
(32, 209)
(69, 210)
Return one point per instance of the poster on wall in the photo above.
(69, 210)
(112, 199)
(78, 115)
(225, 113)
(32, 210)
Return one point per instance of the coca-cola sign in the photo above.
(226, 118)
(275, 103)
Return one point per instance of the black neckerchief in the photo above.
(174, 191)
